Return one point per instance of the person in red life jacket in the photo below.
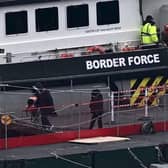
(96, 108)
(164, 35)
(31, 106)
(46, 105)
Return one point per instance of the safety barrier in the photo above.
(72, 111)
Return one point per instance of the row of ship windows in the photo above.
(47, 19)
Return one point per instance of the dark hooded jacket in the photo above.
(44, 100)
(96, 102)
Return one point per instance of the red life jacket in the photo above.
(31, 107)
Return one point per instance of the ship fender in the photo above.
(99, 49)
(147, 127)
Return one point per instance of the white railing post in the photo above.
(112, 107)
(146, 102)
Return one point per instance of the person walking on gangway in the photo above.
(45, 104)
(96, 108)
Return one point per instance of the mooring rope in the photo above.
(70, 161)
(136, 158)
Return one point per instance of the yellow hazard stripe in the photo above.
(137, 93)
(160, 93)
(151, 89)
(144, 83)
(132, 83)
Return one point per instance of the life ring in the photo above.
(6, 119)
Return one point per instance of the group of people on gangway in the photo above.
(41, 104)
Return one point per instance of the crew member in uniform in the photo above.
(149, 33)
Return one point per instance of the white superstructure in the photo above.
(121, 28)
(42, 29)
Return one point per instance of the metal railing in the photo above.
(72, 111)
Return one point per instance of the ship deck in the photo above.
(60, 144)
(68, 148)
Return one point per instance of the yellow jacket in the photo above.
(149, 34)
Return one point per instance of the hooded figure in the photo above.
(45, 104)
(149, 19)
(96, 108)
(149, 32)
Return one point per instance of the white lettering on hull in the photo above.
(122, 62)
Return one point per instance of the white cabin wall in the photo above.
(126, 30)
(130, 18)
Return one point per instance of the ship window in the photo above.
(46, 19)
(77, 16)
(107, 12)
(16, 22)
